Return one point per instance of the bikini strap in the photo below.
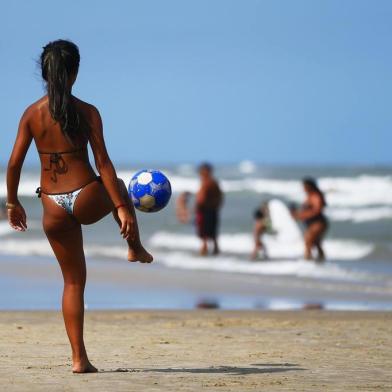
(39, 190)
(55, 157)
(58, 153)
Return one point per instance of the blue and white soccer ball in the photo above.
(150, 190)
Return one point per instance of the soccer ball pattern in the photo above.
(149, 190)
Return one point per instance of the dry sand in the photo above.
(201, 350)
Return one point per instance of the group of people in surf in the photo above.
(310, 214)
(209, 200)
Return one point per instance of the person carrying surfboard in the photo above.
(261, 226)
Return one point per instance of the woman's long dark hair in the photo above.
(59, 64)
(312, 184)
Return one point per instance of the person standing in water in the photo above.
(261, 226)
(312, 215)
(209, 200)
(62, 126)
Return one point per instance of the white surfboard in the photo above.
(287, 229)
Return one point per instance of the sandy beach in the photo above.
(201, 350)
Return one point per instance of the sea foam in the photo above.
(242, 243)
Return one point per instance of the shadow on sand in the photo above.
(257, 368)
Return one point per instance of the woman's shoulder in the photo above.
(89, 111)
(84, 106)
(37, 105)
(35, 108)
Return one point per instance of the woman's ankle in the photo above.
(80, 356)
(135, 245)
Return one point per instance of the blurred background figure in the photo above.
(311, 214)
(182, 210)
(209, 200)
(261, 226)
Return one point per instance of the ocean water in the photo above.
(358, 245)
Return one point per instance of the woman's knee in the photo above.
(74, 276)
(75, 285)
(54, 227)
(308, 237)
(51, 226)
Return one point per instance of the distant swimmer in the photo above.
(209, 200)
(261, 226)
(182, 211)
(312, 215)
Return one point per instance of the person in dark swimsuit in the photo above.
(312, 215)
(72, 194)
(209, 200)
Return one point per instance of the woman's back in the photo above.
(64, 163)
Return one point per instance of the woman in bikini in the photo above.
(61, 126)
(312, 215)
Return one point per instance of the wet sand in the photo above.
(201, 350)
(32, 282)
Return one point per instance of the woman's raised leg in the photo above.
(65, 237)
(93, 203)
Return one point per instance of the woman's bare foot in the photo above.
(139, 254)
(83, 367)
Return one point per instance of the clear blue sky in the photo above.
(277, 82)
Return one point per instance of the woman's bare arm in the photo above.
(102, 160)
(315, 208)
(16, 215)
(108, 174)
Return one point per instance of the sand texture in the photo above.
(201, 350)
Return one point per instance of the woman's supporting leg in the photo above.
(65, 237)
(321, 254)
(308, 237)
(313, 236)
(319, 247)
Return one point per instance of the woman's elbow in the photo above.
(103, 165)
(14, 164)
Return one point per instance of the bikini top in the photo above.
(56, 156)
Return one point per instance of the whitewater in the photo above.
(359, 210)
